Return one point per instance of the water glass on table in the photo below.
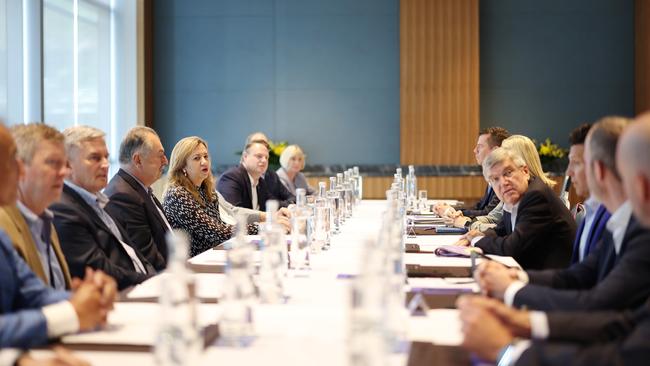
(423, 205)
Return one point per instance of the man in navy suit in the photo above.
(596, 215)
(572, 338)
(89, 235)
(247, 185)
(30, 312)
(276, 189)
(488, 140)
(616, 275)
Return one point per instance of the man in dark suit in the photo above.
(30, 312)
(575, 338)
(616, 275)
(488, 140)
(246, 186)
(132, 202)
(592, 226)
(276, 189)
(537, 229)
(89, 235)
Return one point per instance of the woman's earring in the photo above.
(185, 172)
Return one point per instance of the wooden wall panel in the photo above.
(439, 81)
(642, 51)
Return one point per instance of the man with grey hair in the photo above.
(537, 230)
(132, 202)
(89, 235)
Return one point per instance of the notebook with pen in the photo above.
(456, 251)
(436, 230)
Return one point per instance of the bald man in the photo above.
(587, 338)
(633, 158)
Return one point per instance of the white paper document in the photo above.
(458, 283)
(208, 286)
(439, 326)
(218, 258)
(135, 324)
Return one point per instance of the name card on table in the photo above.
(440, 292)
(436, 339)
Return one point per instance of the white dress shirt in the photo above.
(512, 210)
(617, 224)
(591, 206)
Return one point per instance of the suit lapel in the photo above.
(609, 257)
(248, 190)
(56, 245)
(262, 193)
(631, 226)
(595, 226)
(26, 244)
(150, 202)
(79, 201)
(576, 243)
(507, 222)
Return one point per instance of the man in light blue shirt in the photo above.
(89, 235)
(29, 222)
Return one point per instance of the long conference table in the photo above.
(311, 328)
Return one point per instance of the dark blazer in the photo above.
(235, 186)
(277, 190)
(543, 233)
(601, 216)
(87, 241)
(590, 286)
(22, 294)
(596, 339)
(133, 207)
(484, 206)
(593, 326)
(584, 275)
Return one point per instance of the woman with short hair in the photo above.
(292, 162)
